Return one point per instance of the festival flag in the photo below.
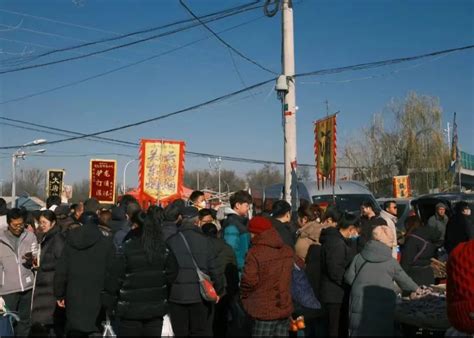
(454, 145)
(161, 173)
(103, 178)
(325, 150)
(401, 186)
(54, 185)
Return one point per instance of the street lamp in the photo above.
(20, 153)
(125, 172)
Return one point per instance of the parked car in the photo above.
(348, 195)
(403, 209)
(425, 205)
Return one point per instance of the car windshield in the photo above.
(349, 203)
(401, 207)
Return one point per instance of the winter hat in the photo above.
(440, 205)
(118, 214)
(62, 210)
(190, 212)
(460, 287)
(259, 224)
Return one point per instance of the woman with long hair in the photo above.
(45, 312)
(138, 281)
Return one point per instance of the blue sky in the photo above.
(327, 34)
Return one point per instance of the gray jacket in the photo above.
(14, 276)
(439, 223)
(372, 300)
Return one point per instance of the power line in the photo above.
(55, 132)
(377, 64)
(229, 95)
(224, 42)
(178, 30)
(93, 77)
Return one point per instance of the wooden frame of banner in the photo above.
(47, 181)
(115, 180)
(144, 197)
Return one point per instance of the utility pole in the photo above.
(289, 104)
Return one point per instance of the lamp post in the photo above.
(124, 186)
(20, 153)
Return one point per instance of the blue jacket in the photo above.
(237, 236)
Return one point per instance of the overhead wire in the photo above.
(135, 63)
(140, 32)
(153, 37)
(224, 42)
(229, 95)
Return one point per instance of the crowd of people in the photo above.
(319, 272)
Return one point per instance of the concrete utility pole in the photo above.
(289, 103)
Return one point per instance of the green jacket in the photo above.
(372, 300)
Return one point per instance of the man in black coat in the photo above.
(80, 276)
(190, 315)
(460, 228)
(227, 267)
(337, 251)
(281, 217)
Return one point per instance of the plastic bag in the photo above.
(167, 330)
(108, 330)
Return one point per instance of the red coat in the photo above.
(266, 282)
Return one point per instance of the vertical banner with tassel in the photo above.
(325, 150)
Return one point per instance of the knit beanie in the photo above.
(460, 287)
(259, 224)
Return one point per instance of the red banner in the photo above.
(103, 175)
(401, 186)
(161, 173)
(325, 150)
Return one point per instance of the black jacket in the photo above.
(226, 265)
(287, 232)
(44, 309)
(185, 289)
(337, 253)
(313, 268)
(80, 276)
(459, 229)
(140, 285)
(417, 252)
(169, 229)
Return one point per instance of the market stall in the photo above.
(424, 315)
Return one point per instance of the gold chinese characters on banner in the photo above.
(161, 169)
(103, 176)
(325, 150)
(401, 186)
(54, 184)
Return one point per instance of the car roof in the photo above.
(448, 196)
(308, 189)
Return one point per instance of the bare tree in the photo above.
(413, 145)
(268, 175)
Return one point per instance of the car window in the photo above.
(346, 202)
(401, 207)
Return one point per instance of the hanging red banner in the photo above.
(325, 150)
(161, 170)
(103, 176)
(401, 186)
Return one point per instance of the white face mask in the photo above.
(202, 204)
